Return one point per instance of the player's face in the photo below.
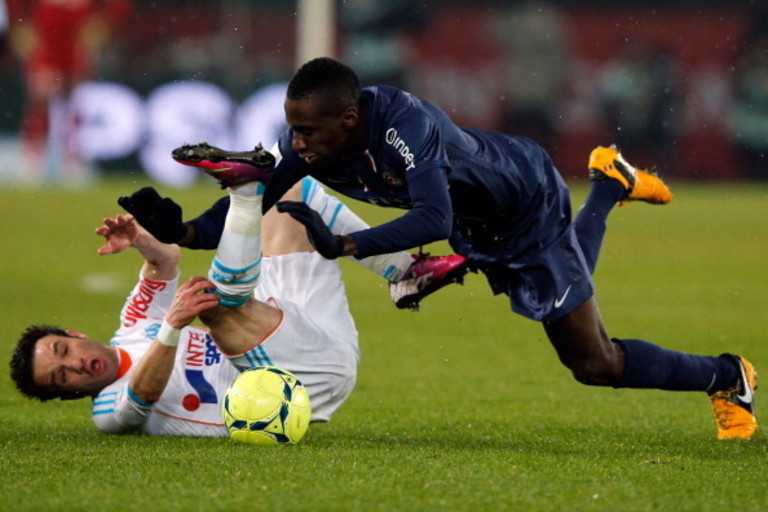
(317, 134)
(68, 363)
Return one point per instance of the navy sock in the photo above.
(649, 366)
(590, 220)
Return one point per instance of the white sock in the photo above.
(341, 220)
(237, 264)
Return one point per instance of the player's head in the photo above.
(322, 107)
(49, 362)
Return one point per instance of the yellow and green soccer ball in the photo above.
(266, 405)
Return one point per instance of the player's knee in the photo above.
(214, 316)
(595, 371)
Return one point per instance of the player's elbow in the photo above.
(145, 395)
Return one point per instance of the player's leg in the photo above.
(237, 263)
(590, 221)
(613, 180)
(239, 322)
(583, 345)
(592, 356)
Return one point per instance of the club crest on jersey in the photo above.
(391, 179)
(394, 140)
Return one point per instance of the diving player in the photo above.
(502, 204)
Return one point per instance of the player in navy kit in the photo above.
(502, 204)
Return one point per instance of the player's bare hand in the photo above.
(190, 300)
(120, 232)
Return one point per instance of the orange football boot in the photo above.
(605, 163)
(735, 408)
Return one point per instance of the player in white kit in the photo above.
(162, 376)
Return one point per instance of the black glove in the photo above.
(161, 216)
(329, 246)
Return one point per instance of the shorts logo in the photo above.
(559, 302)
(394, 140)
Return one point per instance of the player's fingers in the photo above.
(289, 206)
(104, 250)
(197, 284)
(191, 282)
(200, 286)
(298, 213)
(207, 301)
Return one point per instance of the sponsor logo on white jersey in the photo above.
(140, 302)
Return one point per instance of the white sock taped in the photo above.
(237, 264)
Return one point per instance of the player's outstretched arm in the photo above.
(121, 232)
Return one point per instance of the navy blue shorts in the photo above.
(549, 284)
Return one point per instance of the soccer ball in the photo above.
(266, 405)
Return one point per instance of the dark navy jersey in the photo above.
(495, 196)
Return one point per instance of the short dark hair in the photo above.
(323, 76)
(22, 359)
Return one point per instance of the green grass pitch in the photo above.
(461, 406)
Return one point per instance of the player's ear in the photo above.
(350, 117)
(75, 334)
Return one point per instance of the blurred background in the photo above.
(93, 88)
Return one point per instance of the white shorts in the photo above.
(317, 339)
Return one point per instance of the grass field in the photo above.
(462, 406)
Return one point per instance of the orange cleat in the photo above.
(607, 163)
(735, 408)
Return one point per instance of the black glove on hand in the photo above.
(329, 246)
(161, 216)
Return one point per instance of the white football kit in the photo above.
(316, 340)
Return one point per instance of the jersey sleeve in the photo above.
(209, 225)
(145, 308)
(117, 410)
(413, 143)
(430, 220)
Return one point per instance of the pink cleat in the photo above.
(425, 276)
(230, 168)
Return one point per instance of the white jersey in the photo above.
(316, 340)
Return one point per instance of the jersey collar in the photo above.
(124, 362)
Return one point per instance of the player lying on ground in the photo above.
(162, 376)
(503, 205)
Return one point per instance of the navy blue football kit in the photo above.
(497, 198)
(502, 204)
